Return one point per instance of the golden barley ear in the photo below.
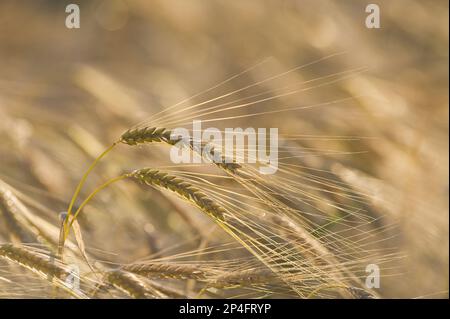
(155, 135)
(167, 270)
(32, 260)
(43, 265)
(130, 284)
(182, 188)
(246, 277)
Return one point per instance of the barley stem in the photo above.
(64, 229)
(91, 195)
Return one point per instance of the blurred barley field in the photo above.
(362, 116)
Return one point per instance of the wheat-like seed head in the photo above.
(32, 260)
(153, 134)
(43, 265)
(166, 270)
(245, 277)
(184, 189)
(130, 284)
(146, 135)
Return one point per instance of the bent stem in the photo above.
(64, 230)
(88, 199)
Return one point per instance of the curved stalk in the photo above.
(91, 195)
(64, 229)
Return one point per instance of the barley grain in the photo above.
(245, 278)
(130, 284)
(166, 270)
(153, 134)
(45, 266)
(184, 189)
